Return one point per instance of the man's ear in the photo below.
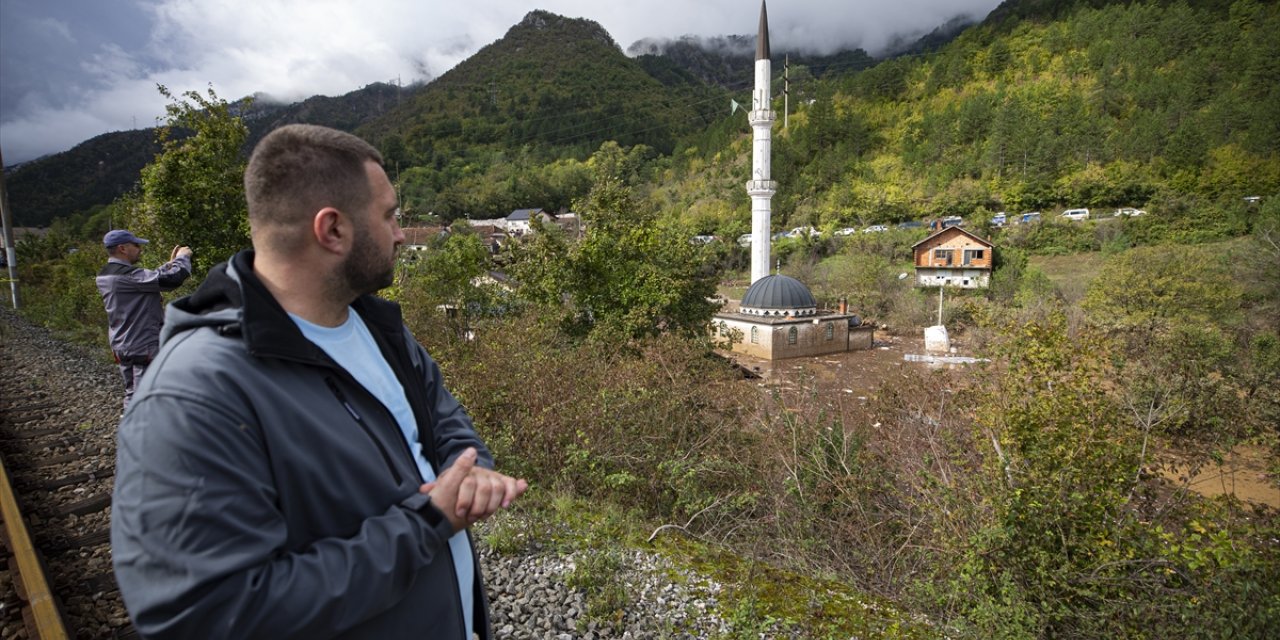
(332, 230)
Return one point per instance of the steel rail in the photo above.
(45, 616)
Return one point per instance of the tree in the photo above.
(629, 277)
(193, 192)
(1147, 289)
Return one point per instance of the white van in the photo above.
(1076, 214)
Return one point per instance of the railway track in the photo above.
(59, 406)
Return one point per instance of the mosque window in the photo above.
(831, 330)
(792, 335)
(755, 335)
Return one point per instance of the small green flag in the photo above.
(734, 106)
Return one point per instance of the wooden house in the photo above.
(954, 257)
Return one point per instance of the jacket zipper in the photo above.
(342, 398)
(448, 548)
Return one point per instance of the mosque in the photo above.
(778, 316)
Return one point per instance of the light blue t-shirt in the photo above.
(351, 346)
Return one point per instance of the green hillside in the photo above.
(1170, 105)
(98, 171)
(552, 89)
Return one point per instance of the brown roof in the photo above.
(959, 229)
(420, 235)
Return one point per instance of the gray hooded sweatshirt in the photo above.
(261, 492)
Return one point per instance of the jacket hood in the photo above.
(217, 302)
(234, 301)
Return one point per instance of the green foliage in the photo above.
(1147, 289)
(1065, 542)
(452, 273)
(56, 276)
(630, 276)
(869, 282)
(193, 193)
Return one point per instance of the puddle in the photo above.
(1243, 473)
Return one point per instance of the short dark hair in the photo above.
(299, 169)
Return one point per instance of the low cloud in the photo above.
(76, 69)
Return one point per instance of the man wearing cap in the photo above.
(132, 297)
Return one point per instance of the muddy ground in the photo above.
(856, 376)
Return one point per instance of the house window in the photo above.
(970, 255)
(831, 330)
(943, 256)
(792, 334)
(755, 335)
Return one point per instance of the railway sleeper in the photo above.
(91, 539)
(30, 434)
(83, 507)
(58, 483)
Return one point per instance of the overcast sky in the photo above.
(73, 69)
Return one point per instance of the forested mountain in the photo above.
(1047, 103)
(485, 137)
(99, 170)
(95, 172)
(1044, 105)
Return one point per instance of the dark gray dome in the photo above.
(778, 293)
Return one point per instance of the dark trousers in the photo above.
(131, 369)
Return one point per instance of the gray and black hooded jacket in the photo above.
(261, 492)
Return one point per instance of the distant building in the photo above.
(518, 222)
(571, 223)
(418, 238)
(954, 257)
(778, 318)
(493, 237)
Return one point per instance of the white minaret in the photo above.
(760, 187)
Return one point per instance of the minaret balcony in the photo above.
(762, 187)
(762, 116)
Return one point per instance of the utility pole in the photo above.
(10, 255)
(786, 90)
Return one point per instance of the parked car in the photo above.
(800, 232)
(703, 239)
(847, 231)
(1127, 211)
(999, 219)
(952, 221)
(1076, 214)
(1029, 217)
(875, 228)
(744, 240)
(910, 224)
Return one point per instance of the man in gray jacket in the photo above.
(294, 467)
(132, 297)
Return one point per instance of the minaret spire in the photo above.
(760, 187)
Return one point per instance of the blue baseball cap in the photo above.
(116, 237)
